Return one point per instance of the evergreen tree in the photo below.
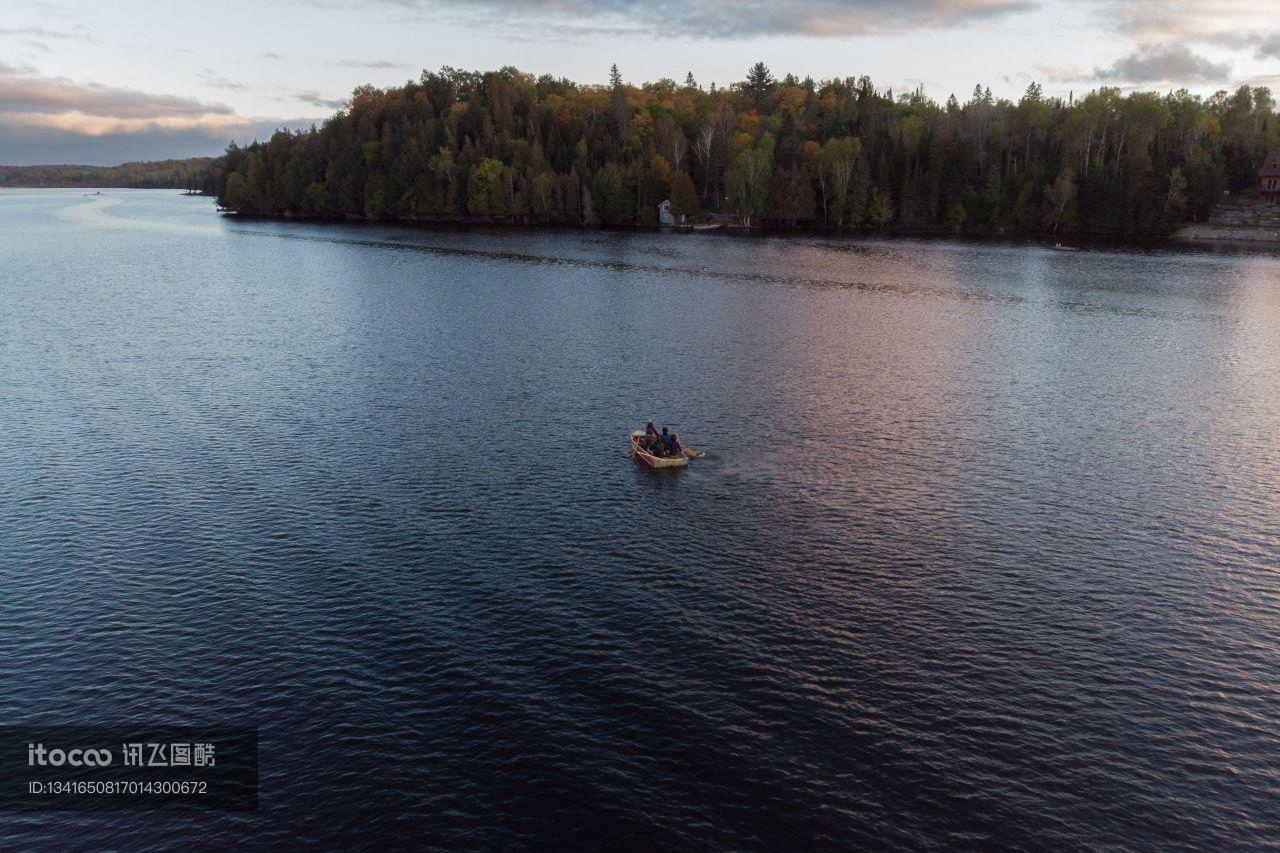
(791, 197)
(759, 82)
(619, 97)
(683, 196)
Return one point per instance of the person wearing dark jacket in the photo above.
(668, 442)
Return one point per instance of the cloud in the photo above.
(47, 120)
(41, 146)
(712, 19)
(1271, 81)
(1187, 42)
(315, 99)
(1269, 46)
(270, 54)
(15, 69)
(1169, 63)
(1210, 21)
(78, 33)
(379, 63)
(41, 116)
(27, 98)
(212, 79)
(51, 10)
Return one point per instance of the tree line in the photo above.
(199, 174)
(507, 146)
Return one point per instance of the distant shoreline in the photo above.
(103, 186)
(195, 174)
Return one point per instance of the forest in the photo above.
(201, 174)
(505, 146)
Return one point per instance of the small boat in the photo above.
(637, 447)
(709, 226)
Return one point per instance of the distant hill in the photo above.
(198, 173)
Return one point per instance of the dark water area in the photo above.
(984, 551)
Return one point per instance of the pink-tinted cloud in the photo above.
(53, 119)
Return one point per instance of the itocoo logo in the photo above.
(37, 755)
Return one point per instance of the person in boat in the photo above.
(651, 443)
(667, 441)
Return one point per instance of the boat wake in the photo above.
(94, 213)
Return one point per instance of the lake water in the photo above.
(984, 550)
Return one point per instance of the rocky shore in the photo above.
(1239, 221)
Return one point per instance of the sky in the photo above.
(83, 81)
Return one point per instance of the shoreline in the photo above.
(721, 228)
(1067, 241)
(1202, 233)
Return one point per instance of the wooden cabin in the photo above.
(1269, 179)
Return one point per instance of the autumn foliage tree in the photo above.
(485, 192)
(836, 153)
(749, 180)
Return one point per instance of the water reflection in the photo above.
(982, 551)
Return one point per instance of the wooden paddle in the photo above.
(690, 452)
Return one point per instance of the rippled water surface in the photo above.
(984, 551)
